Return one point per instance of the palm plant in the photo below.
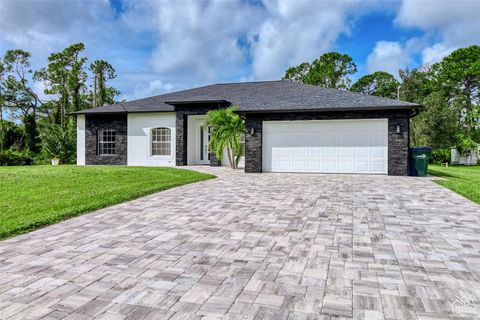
(59, 143)
(226, 130)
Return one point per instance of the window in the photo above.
(106, 142)
(161, 142)
(242, 143)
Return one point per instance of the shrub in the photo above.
(13, 157)
(440, 155)
(60, 143)
(465, 145)
(11, 136)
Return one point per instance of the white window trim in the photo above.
(99, 142)
(150, 142)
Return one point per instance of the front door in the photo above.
(204, 150)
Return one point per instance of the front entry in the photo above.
(203, 145)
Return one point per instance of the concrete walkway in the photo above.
(256, 246)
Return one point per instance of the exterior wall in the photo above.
(182, 127)
(397, 142)
(93, 123)
(139, 138)
(81, 140)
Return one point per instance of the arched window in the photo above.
(161, 142)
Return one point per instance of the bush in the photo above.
(440, 156)
(60, 143)
(11, 136)
(13, 157)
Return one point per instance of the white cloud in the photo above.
(388, 56)
(298, 31)
(199, 39)
(45, 26)
(435, 53)
(159, 46)
(455, 24)
(151, 88)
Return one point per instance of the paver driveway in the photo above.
(247, 246)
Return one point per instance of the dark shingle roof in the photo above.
(260, 96)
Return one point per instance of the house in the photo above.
(290, 127)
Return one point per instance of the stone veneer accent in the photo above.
(93, 123)
(397, 142)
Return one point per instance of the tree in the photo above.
(298, 73)
(331, 70)
(102, 71)
(380, 83)
(19, 97)
(440, 125)
(226, 129)
(417, 84)
(65, 76)
(459, 76)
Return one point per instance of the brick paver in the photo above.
(251, 246)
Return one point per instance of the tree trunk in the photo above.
(95, 91)
(101, 89)
(229, 157)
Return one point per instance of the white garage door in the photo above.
(336, 146)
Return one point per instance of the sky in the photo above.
(162, 46)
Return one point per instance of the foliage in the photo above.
(449, 91)
(226, 130)
(379, 83)
(464, 180)
(459, 75)
(440, 155)
(18, 97)
(65, 80)
(439, 125)
(416, 84)
(298, 73)
(60, 143)
(12, 157)
(36, 196)
(330, 70)
(102, 71)
(65, 76)
(11, 136)
(465, 144)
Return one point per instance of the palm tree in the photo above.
(226, 128)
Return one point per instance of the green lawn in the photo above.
(36, 196)
(464, 180)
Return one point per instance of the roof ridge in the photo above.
(248, 82)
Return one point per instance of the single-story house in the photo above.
(290, 127)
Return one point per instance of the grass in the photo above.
(35, 196)
(464, 180)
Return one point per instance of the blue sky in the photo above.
(160, 46)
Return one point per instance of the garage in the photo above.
(326, 146)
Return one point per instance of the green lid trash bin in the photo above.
(419, 161)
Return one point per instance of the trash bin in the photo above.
(419, 161)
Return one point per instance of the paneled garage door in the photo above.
(330, 146)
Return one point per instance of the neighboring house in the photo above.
(290, 127)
